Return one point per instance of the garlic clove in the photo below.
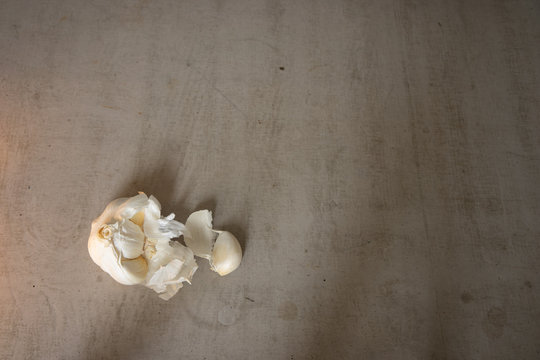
(152, 213)
(138, 219)
(199, 236)
(128, 239)
(104, 254)
(149, 248)
(227, 254)
(153, 208)
(131, 206)
(135, 270)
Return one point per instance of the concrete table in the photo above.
(378, 160)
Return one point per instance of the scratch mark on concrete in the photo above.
(221, 93)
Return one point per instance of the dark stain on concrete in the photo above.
(466, 297)
(494, 322)
(288, 311)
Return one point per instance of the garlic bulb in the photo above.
(221, 248)
(131, 241)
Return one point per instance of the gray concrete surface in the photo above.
(379, 161)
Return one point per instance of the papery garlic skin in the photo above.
(171, 265)
(226, 254)
(199, 236)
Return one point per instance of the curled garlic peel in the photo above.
(131, 241)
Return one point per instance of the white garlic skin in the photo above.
(226, 254)
(199, 235)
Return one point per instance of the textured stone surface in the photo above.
(378, 160)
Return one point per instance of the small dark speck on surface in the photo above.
(324, 280)
(33, 286)
(29, 187)
(20, 214)
(466, 298)
(439, 24)
(249, 299)
(528, 284)
(281, 68)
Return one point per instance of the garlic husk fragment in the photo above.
(132, 243)
(221, 248)
(199, 236)
(226, 254)
(171, 265)
(157, 227)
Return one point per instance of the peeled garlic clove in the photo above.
(199, 236)
(227, 253)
